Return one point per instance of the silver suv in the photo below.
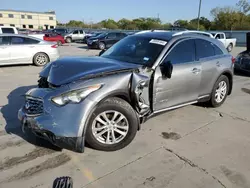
(104, 100)
(75, 35)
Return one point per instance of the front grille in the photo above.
(33, 106)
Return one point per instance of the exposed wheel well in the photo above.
(230, 78)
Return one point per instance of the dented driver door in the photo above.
(183, 86)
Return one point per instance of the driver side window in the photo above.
(183, 52)
(111, 36)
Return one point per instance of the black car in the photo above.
(105, 40)
(90, 35)
(242, 63)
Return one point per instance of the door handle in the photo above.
(196, 70)
(218, 64)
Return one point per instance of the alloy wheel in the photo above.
(110, 127)
(221, 92)
(41, 59)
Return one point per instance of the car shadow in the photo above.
(13, 125)
(241, 73)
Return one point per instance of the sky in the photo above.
(97, 10)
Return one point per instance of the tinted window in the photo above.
(81, 32)
(22, 16)
(23, 40)
(50, 18)
(75, 32)
(217, 50)
(8, 30)
(121, 35)
(17, 40)
(11, 16)
(12, 25)
(111, 36)
(4, 40)
(183, 52)
(30, 41)
(29, 17)
(204, 49)
(31, 26)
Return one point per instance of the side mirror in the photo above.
(166, 69)
(101, 52)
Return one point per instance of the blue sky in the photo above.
(96, 10)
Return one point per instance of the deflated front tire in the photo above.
(112, 126)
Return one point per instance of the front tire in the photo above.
(220, 91)
(101, 46)
(112, 126)
(40, 59)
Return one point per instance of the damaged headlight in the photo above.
(75, 96)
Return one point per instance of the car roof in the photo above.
(18, 35)
(162, 35)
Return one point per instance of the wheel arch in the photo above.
(229, 75)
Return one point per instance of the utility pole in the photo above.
(199, 13)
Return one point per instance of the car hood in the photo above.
(66, 70)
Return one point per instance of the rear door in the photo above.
(22, 49)
(75, 35)
(81, 35)
(183, 86)
(210, 57)
(111, 39)
(4, 50)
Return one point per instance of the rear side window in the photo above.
(30, 41)
(217, 50)
(75, 32)
(184, 52)
(204, 49)
(81, 31)
(4, 41)
(8, 30)
(111, 35)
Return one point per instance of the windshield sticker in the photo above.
(160, 42)
(145, 58)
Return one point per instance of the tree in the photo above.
(204, 22)
(181, 23)
(244, 6)
(124, 23)
(109, 24)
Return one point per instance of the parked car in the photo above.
(94, 34)
(106, 99)
(22, 49)
(61, 31)
(75, 35)
(54, 37)
(23, 31)
(105, 40)
(8, 29)
(242, 63)
(229, 43)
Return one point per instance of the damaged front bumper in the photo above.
(63, 126)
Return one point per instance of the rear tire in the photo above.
(230, 47)
(40, 59)
(220, 91)
(101, 46)
(119, 133)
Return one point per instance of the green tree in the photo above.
(181, 23)
(204, 22)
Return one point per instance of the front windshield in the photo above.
(136, 49)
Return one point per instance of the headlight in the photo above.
(75, 96)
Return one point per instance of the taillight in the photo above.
(233, 59)
(54, 46)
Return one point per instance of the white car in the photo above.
(8, 29)
(23, 49)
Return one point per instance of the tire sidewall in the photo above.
(213, 101)
(128, 113)
(101, 46)
(230, 48)
(68, 40)
(35, 56)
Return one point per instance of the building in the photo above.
(28, 19)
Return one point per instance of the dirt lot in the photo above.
(190, 147)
